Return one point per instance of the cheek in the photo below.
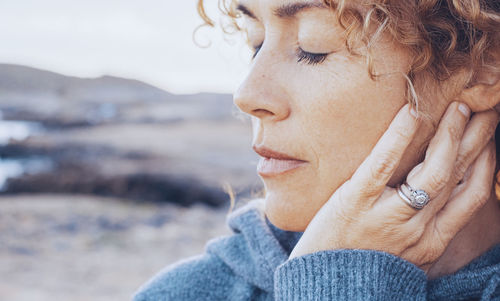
(344, 115)
(342, 119)
(338, 115)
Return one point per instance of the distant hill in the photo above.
(25, 89)
(27, 80)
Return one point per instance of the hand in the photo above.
(364, 213)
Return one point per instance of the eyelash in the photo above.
(302, 56)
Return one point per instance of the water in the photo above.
(19, 130)
(11, 168)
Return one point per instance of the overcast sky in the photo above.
(149, 40)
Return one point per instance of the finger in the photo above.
(441, 155)
(460, 186)
(476, 192)
(478, 132)
(370, 179)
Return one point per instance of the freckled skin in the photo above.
(330, 114)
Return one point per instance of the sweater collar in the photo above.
(477, 280)
(257, 248)
(252, 252)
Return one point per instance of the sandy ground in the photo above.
(66, 247)
(97, 135)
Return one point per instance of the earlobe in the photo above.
(482, 96)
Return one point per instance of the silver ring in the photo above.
(417, 198)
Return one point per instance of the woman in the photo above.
(367, 197)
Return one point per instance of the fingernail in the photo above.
(464, 109)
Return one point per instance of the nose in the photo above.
(263, 93)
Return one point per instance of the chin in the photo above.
(288, 213)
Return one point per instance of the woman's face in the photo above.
(326, 111)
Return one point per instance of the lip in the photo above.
(269, 153)
(273, 163)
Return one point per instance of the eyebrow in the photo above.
(284, 11)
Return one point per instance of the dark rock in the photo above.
(140, 187)
(177, 170)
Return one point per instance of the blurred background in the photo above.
(118, 140)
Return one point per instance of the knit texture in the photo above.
(349, 275)
(252, 264)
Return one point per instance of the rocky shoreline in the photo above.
(122, 138)
(103, 182)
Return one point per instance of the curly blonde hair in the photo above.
(442, 35)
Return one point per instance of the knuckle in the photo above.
(461, 166)
(369, 191)
(479, 196)
(438, 179)
(403, 134)
(344, 217)
(454, 131)
(413, 236)
(385, 164)
(486, 129)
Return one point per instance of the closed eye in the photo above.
(310, 58)
(302, 56)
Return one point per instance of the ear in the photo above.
(484, 95)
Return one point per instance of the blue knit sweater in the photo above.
(252, 264)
